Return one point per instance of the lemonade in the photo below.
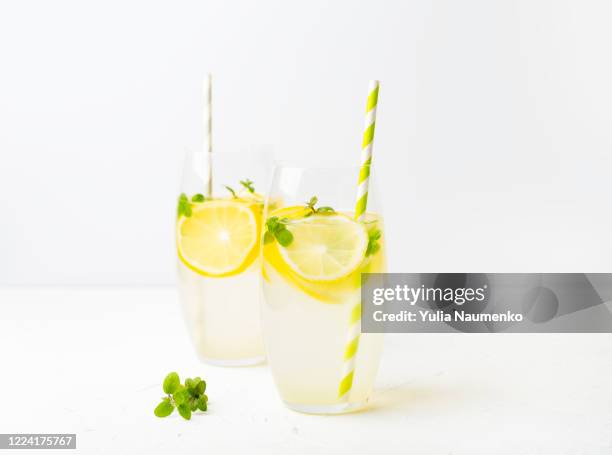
(218, 247)
(312, 284)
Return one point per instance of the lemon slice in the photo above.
(248, 196)
(325, 248)
(219, 238)
(292, 212)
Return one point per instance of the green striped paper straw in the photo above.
(350, 351)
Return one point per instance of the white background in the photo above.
(493, 139)
(493, 153)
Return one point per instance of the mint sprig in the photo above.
(312, 202)
(184, 206)
(231, 190)
(276, 228)
(186, 398)
(373, 242)
(248, 185)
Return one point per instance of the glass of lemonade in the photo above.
(218, 242)
(313, 254)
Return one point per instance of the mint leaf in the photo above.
(184, 410)
(372, 249)
(184, 207)
(248, 184)
(198, 198)
(201, 387)
(268, 237)
(203, 403)
(311, 206)
(284, 236)
(231, 190)
(189, 384)
(272, 224)
(181, 395)
(164, 409)
(373, 245)
(277, 229)
(171, 383)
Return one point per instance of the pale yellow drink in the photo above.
(306, 316)
(219, 278)
(223, 315)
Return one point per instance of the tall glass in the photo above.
(312, 288)
(218, 242)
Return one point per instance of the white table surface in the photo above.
(91, 360)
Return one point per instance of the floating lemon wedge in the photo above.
(325, 247)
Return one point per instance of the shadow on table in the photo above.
(409, 396)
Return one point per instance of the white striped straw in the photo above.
(208, 131)
(366, 151)
(354, 333)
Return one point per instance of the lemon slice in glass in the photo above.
(219, 238)
(291, 212)
(325, 247)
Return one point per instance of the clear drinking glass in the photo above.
(218, 242)
(312, 288)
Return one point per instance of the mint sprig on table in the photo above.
(186, 398)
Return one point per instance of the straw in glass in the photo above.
(352, 345)
(208, 131)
